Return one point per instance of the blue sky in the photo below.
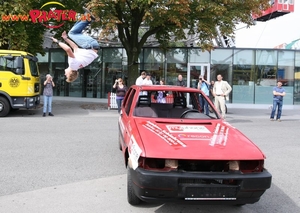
(269, 34)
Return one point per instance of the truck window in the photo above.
(33, 68)
(11, 63)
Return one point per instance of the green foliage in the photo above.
(167, 19)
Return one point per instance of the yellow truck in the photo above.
(19, 81)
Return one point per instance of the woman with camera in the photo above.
(121, 90)
(48, 94)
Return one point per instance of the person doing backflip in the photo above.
(80, 48)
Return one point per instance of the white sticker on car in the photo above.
(220, 136)
(134, 152)
(166, 136)
(187, 128)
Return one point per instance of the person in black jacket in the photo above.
(180, 81)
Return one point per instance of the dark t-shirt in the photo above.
(181, 83)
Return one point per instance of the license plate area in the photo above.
(211, 193)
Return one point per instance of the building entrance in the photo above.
(194, 70)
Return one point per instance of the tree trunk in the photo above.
(133, 66)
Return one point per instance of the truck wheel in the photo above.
(131, 197)
(4, 107)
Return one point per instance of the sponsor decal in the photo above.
(220, 136)
(193, 137)
(164, 135)
(51, 14)
(14, 82)
(187, 128)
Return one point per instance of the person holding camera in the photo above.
(48, 94)
(121, 90)
(203, 85)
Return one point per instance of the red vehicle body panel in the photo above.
(214, 141)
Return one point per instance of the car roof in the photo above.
(164, 87)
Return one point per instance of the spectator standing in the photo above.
(139, 80)
(147, 80)
(160, 96)
(278, 93)
(121, 90)
(221, 92)
(180, 81)
(203, 85)
(48, 94)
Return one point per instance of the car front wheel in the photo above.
(131, 197)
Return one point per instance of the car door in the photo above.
(125, 118)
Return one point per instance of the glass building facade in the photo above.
(252, 73)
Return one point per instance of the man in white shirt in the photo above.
(147, 80)
(221, 91)
(139, 80)
(83, 49)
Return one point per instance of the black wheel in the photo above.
(187, 111)
(4, 107)
(131, 197)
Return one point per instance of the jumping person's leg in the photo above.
(70, 42)
(82, 40)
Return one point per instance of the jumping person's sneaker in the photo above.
(89, 12)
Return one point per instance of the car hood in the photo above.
(212, 140)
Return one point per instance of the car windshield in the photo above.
(173, 104)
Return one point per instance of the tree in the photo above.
(169, 18)
(13, 34)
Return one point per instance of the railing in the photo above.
(112, 104)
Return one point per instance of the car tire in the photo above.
(4, 107)
(131, 197)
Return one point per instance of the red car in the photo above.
(173, 151)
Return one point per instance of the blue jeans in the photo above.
(119, 103)
(47, 104)
(204, 105)
(82, 40)
(276, 104)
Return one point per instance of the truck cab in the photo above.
(19, 81)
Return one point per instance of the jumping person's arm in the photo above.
(70, 42)
(65, 47)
